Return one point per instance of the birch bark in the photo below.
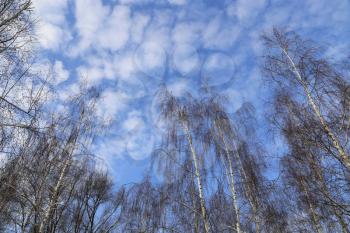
(198, 176)
(343, 156)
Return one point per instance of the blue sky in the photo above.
(130, 47)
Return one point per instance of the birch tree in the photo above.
(224, 154)
(183, 129)
(298, 64)
(312, 111)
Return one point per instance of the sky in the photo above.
(128, 48)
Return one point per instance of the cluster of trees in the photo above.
(215, 173)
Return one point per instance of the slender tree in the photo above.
(182, 128)
(311, 110)
(298, 64)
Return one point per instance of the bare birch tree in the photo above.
(312, 112)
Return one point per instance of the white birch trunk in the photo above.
(55, 195)
(249, 191)
(232, 181)
(343, 156)
(311, 208)
(198, 176)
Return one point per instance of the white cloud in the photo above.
(140, 146)
(247, 10)
(134, 1)
(139, 140)
(150, 59)
(49, 35)
(68, 91)
(134, 87)
(220, 35)
(100, 26)
(117, 67)
(60, 73)
(133, 121)
(97, 68)
(162, 18)
(135, 141)
(179, 87)
(185, 58)
(186, 32)
(51, 28)
(276, 16)
(92, 75)
(139, 23)
(218, 69)
(51, 11)
(231, 10)
(336, 52)
(115, 31)
(110, 149)
(152, 55)
(56, 72)
(89, 16)
(124, 65)
(236, 99)
(110, 104)
(177, 2)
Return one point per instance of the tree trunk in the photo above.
(198, 177)
(312, 210)
(55, 195)
(248, 192)
(231, 180)
(196, 222)
(343, 156)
